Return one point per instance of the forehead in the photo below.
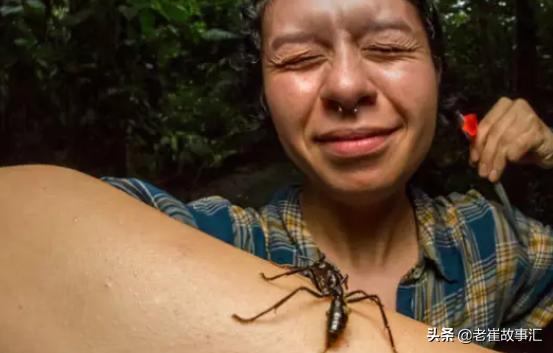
(327, 15)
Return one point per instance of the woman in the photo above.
(353, 91)
(352, 87)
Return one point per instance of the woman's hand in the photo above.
(511, 132)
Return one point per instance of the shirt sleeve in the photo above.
(213, 215)
(532, 292)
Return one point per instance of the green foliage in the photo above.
(485, 48)
(151, 79)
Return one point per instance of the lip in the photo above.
(355, 143)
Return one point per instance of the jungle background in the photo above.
(149, 89)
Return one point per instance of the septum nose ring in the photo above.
(341, 110)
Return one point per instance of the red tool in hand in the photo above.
(469, 125)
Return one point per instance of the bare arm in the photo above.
(86, 268)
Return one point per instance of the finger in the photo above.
(515, 143)
(513, 138)
(495, 141)
(523, 144)
(519, 148)
(499, 164)
(475, 153)
(484, 127)
(540, 139)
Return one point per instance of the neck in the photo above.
(363, 237)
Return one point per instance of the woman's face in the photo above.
(352, 91)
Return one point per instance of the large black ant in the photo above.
(330, 283)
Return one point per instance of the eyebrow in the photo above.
(369, 27)
(386, 25)
(296, 37)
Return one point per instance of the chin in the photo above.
(363, 187)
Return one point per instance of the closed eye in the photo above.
(389, 49)
(389, 54)
(300, 63)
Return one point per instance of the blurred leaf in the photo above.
(218, 35)
(77, 18)
(8, 10)
(129, 12)
(24, 42)
(174, 11)
(147, 23)
(35, 5)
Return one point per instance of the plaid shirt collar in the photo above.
(435, 235)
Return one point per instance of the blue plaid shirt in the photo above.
(474, 271)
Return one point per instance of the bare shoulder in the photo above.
(52, 196)
(37, 170)
(39, 179)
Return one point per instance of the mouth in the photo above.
(354, 143)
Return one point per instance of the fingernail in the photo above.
(494, 176)
(483, 170)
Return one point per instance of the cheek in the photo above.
(424, 100)
(290, 99)
(414, 93)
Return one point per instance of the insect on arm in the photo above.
(329, 283)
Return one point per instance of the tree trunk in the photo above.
(526, 55)
(486, 45)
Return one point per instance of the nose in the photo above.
(347, 84)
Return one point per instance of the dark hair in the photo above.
(252, 80)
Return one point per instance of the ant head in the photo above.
(321, 259)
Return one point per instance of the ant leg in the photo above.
(279, 303)
(345, 282)
(350, 294)
(374, 298)
(285, 266)
(291, 272)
